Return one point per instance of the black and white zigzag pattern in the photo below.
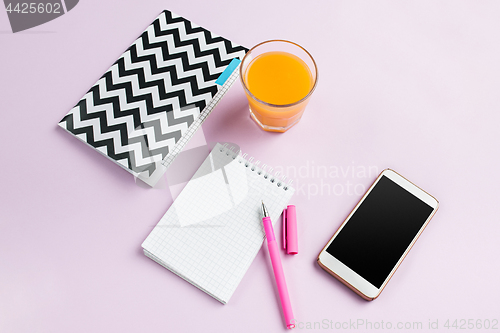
(146, 101)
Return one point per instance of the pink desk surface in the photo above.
(410, 85)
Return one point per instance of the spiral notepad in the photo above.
(213, 231)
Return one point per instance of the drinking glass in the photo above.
(278, 77)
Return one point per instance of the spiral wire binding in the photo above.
(266, 174)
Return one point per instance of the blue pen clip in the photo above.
(228, 71)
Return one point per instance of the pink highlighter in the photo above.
(277, 268)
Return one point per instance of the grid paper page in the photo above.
(213, 253)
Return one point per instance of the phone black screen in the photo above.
(379, 232)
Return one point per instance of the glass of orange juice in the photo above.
(279, 78)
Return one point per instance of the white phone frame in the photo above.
(346, 275)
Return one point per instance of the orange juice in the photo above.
(280, 79)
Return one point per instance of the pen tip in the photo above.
(265, 213)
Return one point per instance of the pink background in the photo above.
(410, 85)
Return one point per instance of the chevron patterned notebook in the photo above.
(213, 230)
(146, 107)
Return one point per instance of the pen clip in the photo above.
(284, 229)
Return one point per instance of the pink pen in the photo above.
(277, 268)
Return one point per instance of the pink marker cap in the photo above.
(290, 243)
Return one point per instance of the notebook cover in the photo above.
(146, 107)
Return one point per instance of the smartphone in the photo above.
(371, 243)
